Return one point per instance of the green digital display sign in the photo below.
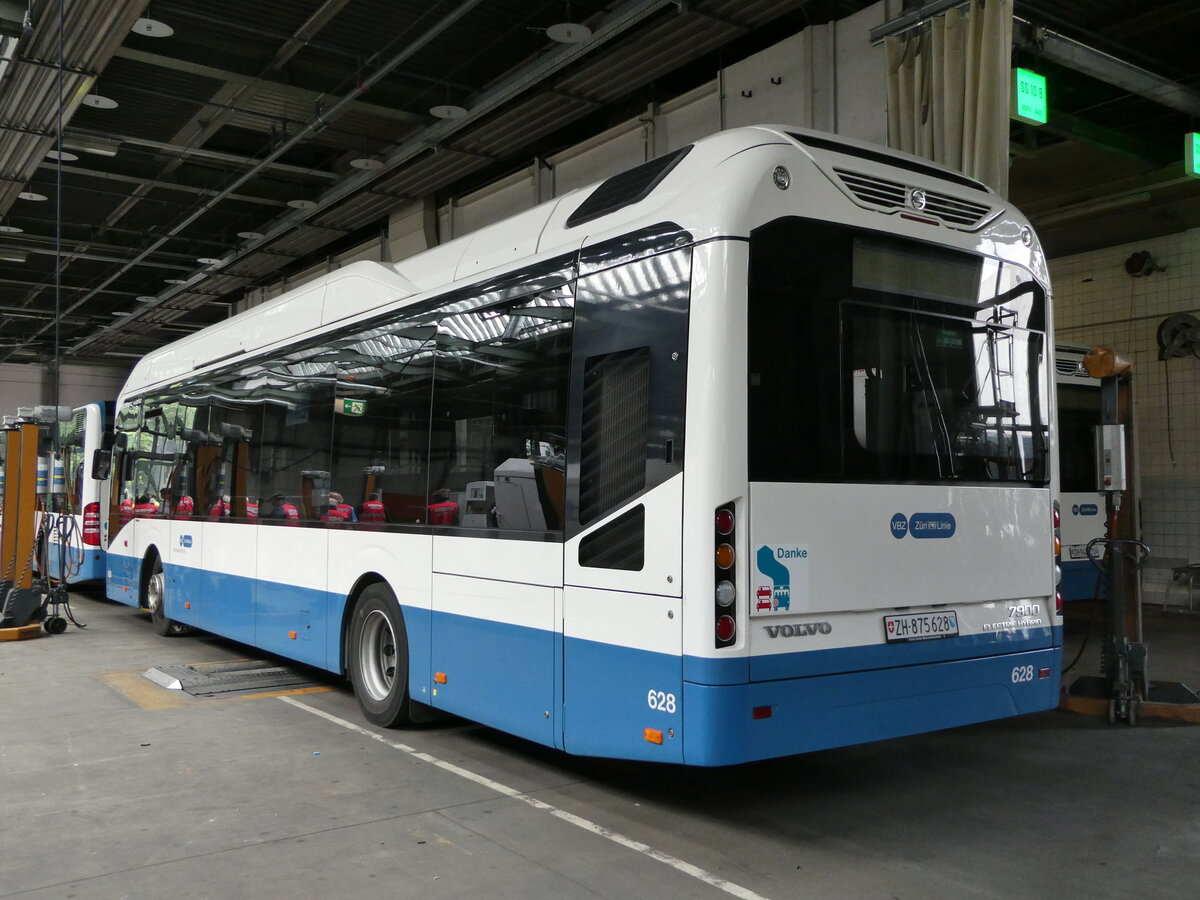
(1191, 154)
(1029, 97)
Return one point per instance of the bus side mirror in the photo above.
(101, 464)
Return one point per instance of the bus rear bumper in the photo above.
(800, 715)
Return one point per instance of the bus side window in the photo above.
(497, 448)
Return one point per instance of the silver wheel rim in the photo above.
(154, 592)
(377, 655)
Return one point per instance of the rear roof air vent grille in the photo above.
(888, 196)
(955, 211)
(873, 190)
(629, 187)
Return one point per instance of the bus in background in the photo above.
(1084, 514)
(459, 479)
(74, 535)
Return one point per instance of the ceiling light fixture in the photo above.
(11, 229)
(32, 195)
(448, 111)
(146, 298)
(302, 204)
(152, 28)
(14, 256)
(367, 164)
(250, 235)
(175, 281)
(569, 33)
(61, 155)
(98, 101)
(209, 260)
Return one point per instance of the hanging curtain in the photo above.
(948, 90)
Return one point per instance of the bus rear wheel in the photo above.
(156, 596)
(378, 657)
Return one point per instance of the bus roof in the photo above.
(665, 188)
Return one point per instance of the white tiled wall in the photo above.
(1096, 302)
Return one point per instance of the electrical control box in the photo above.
(1110, 458)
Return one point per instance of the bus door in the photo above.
(622, 593)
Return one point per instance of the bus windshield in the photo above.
(874, 359)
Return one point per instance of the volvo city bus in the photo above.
(743, 452)
(1083, 504)
(73, 534)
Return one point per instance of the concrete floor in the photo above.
(112, 787)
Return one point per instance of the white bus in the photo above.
(1083, 506)
(741, 453)
(74, 534)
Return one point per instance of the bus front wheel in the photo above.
(378, 664)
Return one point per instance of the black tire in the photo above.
(55, 625)
(154, 598)
(378, 657)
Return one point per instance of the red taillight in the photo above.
(91, 525)
(1057, 517)
(1058, 604)
(762, 712)
(726, 574)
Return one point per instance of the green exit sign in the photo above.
(1191, 154)
(1029, 97)
(347, 407)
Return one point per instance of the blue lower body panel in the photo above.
(826, 711)
(1079, 581)
(82, 565)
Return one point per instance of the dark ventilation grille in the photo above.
(954, 211)
(888, 160)
(886, 194)
(872, 190)
(631, 186)
(621, 544)
(612, 458)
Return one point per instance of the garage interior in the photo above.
(166, 165)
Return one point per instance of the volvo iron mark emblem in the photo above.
(917, 199)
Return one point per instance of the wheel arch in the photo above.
(364, 581)
(148, 559)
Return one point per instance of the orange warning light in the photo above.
(292, 635)
(653, 735)
(439, 677)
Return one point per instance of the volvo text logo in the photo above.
(801, 630)
(185, 540)
(917, 199)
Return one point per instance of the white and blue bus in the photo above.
(73, 531)
(1083, 505)
(741, 453)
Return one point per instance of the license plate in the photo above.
(926, 626)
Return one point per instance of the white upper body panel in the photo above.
(722, 187)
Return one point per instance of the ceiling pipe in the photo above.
(314, 125)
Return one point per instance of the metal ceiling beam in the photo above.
(1080, 129)
(156, 183)
(313, 127)
(301, 95)
(234, 160)
(1107, 68)
(51, 250)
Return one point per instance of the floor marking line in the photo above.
(616, 837)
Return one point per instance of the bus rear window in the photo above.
(873, 359)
